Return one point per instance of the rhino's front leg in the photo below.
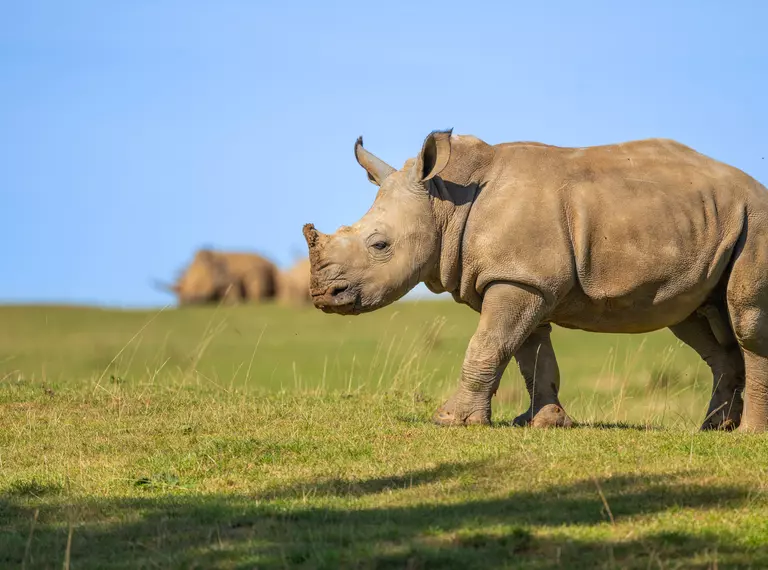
(538, 365)
(508, 315)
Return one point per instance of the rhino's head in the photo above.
(381, 257)
(202, 282)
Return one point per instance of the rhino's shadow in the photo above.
(274, 529)
(507, 423)
(618, 426)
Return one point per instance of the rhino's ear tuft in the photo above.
(377, 169)
(434, 155)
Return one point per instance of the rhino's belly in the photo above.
(646, 284)
(637, 312)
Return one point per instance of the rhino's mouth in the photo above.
(339, 297)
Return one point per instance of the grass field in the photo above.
(265, 437)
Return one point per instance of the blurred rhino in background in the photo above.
(293, 284)
(228, 277)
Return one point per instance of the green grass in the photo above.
(265, 437)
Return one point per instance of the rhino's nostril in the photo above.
(339, 290)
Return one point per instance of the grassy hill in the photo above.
(271, 437)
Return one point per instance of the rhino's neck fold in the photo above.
(452, 194)
(451, 204)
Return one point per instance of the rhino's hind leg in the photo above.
(538, 366)
(750, 323)
(747, 301)
(724, 359)
(756, 390)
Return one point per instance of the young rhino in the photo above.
(624, 238)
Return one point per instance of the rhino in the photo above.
(293, 284)
(618, 238)
(228, 277)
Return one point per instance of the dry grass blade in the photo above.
(603, 499)
(29, 539)
(125, 346)
(68, 552)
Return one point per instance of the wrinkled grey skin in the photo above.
(624, 238)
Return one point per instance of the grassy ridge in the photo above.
(267, 437)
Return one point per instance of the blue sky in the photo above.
(132, 133)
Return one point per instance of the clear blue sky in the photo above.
(132, 133)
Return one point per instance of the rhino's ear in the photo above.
(434, 155)
(377, 169)
(204, 254)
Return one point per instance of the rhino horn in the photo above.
(377, 169)
(315, 241)
(312, 236)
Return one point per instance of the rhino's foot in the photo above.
(747, 427)
(720, 424)
(523, 419)
(551, 415)
(447, 416)
(722, 421)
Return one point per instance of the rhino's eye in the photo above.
(380, 245)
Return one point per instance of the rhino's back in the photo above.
(623, 236)
(240, 263)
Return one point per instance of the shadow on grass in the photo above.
(358, 488)
(593, 425)
(618, 426)
(281, 529)
(507, 424)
